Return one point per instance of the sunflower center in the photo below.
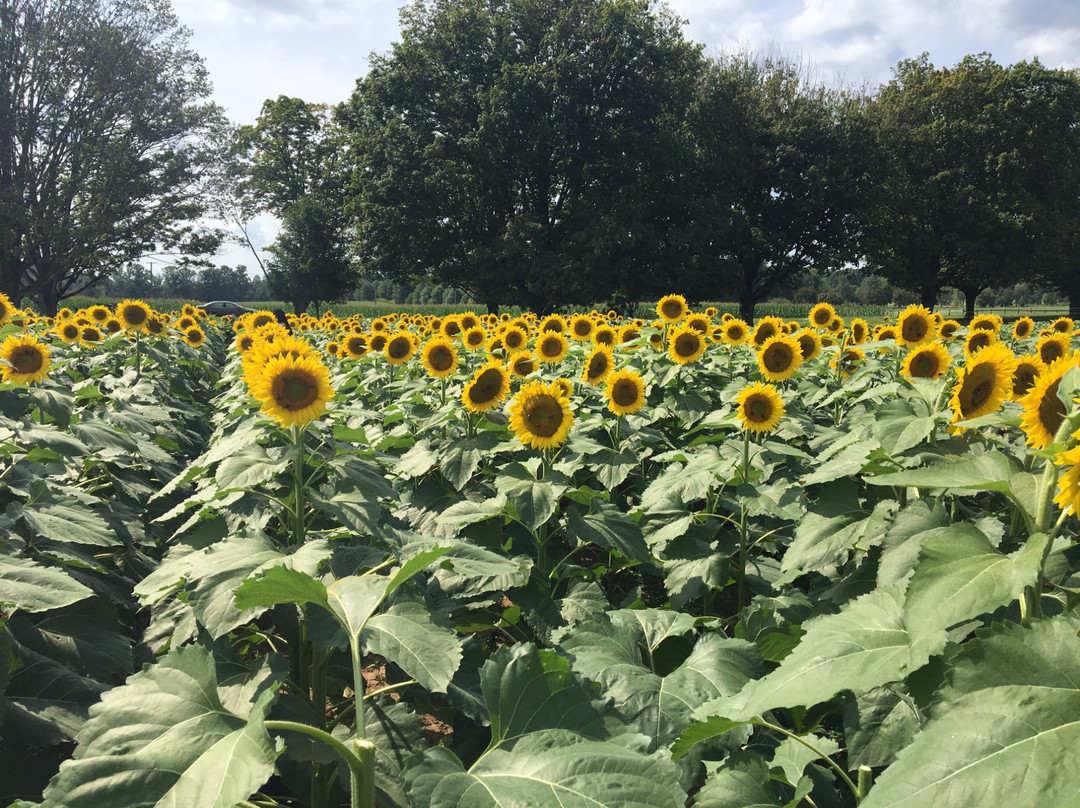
(524, 367)
(582, 328)
(398, 348)
(625, 392)
(294, 391)
(1050, 351)
(513, 340)
(1023, 379)
(806, 347)
(778, 358)
(550, 347)
(978, 341)
(914, 328)
(543, 415)
(487, 386)
(598, 366)
(735, 333)
(765, 330)
(1051, 410)
(822, 317)
(135, 315)
(758, 409)
(27, 359)
(440, 358)
(981, 388)
(672, 309)
(1022, 329)
(687, 344)
(924, 365)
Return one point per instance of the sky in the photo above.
(316, 49)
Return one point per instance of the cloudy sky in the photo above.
(316, 49)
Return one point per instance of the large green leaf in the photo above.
(33, 587)
(865, 645)
(407, 635)
(743, 781)
(1006, 726)
(165, 739)
(992, 471)
(608, 528)
(534, 500)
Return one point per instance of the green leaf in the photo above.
(33, 587)
(534, 500)
(407, 635)
(468, 571)
(165, 739)
(992, 471)
(863, 646)
(822, 542)
(712, 727)
(468, 512)
(743, 781)
(1007, 723)
(793, 757)
(609, 528)
(878, 724)
(280, 585)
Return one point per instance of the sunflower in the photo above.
(983, 383)
(927, 361)
(699, 322)
(1027, 369)
(552, 346)
(188, 309)
(685, 345)
(765, 328)
(949, 329)
(514, 338)
(333, 349)
(759, 407)
(565, 385)
(809, 343)
(1044, 411)
(293, 389)
(1068, 495)
(671, 308)
(1052, 347)
(915, 325)
(860, 331)
(439, 357)
(132, 315)
(26, 360)
(99, 313)
(779, 358)
(68, 331)
(540, 415)
(986, 322)
(7, 308)
(885, 333)
(194, 336)
(400, 348)
(185, 322)
(156, 326)
(1023, 328)
(377, 342)
(89, 333)
(821, 315)
(598, 365)
(355, 346)
(523, 363)
(629, 333)
(488, 387)
(851, 359)
(474, 338)
(605, 335)
(261, 318)
(626, 392)
(977, 340)
(468, 320)
(114, 326)
(1063, 325)
(836, 325)
(735, 331)
(553, 322)
(581, 327)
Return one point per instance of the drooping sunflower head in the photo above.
(552, 346)
(25, 359)
(671, 308)
(1063, 325)
(915, 325)
(1023, 328)
(1052, 347)
(809, 343)
(736, 331)
(1044, 411)
(759, 408)
(1027, 370)
(488, 387)
(986, 322)
(860, 331)
(978, 339)
(779, 358)
(685, 345)
(982, 384)
(598, 364)
(765, 328)
(821, 315)
(927, 361)
(626, 392)
(582, 327)
(439, 357)
(540, 415)
(293, 389)
(400, 348)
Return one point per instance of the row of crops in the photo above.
(535, 561)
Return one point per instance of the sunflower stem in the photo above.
(743, 546)
(298, 433)
(138, 356)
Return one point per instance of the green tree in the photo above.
(291, 163)
(525, 151)
(777, 180)
(105, 133)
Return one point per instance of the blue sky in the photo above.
(316, 49)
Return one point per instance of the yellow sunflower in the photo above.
(355, 346)
(759, 408)
(553, 322)
(293, 389)
(977, 340)
(68, 331)
(1052, 347)
(626, 392)
(188, 309)
(377, 342)
(333, 349)
(656, 340)
(194, 336)
(809, 343)
(629, 333)
(915, 325)
(523, 363)
(1068, 495)
(779, 358)
(836, 325)
(132, 314)
(1063, 325)
(598, 365)
(552, 346)
(699, 322)
(986, 322)
(400, 348)
(488, 387)
(605, 335)
(565, 385)
(515, 338)
(685, 345)
(765, 328)
(468, 320)
(1027, 369)
(474, 338)
(99, 313)
(7, 309)
(1023, 328)
(1044, 411)
(671, 308)
(157, 326)
(735, 331)
(439, 357)
(540, 415)
(852, 358)
(860, 331)
(927, 361)
(821, 315)
(89, 334)
(113, 326)
(982, 384)
(949, 330)
(25, 360)
(185, 322)
(581, 327)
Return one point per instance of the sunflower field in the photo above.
(470, 561)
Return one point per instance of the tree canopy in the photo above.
(105, 130)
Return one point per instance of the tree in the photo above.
(777, 180)
(951, 209)
(292, 163)
(524, 151)
(105, 132)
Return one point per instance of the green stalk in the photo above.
(298, 485)
(358, 687)
(832, 763)
(138, 356)
(743, 546)
(360, 759)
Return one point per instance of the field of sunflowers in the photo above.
(475, 561)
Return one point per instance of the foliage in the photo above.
(106, 133)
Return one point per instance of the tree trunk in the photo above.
(492, 307)
(747, 303)
(969, 304)
(928, 297)
(1074, 304)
